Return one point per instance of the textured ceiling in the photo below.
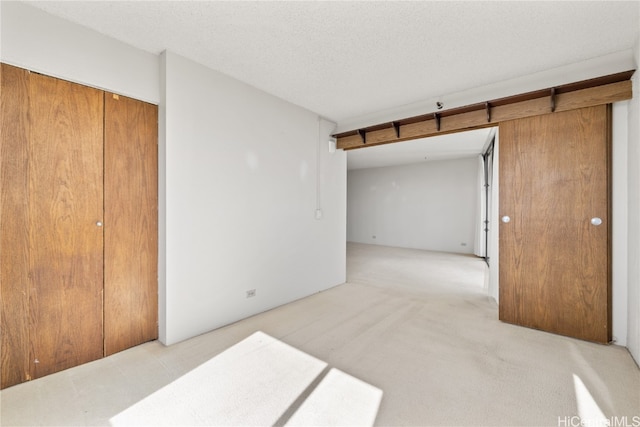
(348, 59)
(345, 60)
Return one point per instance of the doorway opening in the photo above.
(432, 194)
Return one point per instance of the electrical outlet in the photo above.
(251, 293)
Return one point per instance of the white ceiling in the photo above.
(345, 60)
(348, 59)
(451, 146)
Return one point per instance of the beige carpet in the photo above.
(415, 325)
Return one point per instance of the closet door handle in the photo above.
(99, 224)
(505, 219)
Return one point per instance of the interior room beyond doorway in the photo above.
(427, 194)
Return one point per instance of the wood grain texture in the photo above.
(14, 224)
(599, 95)
(554, 264)
(131, 223)
(65, 186)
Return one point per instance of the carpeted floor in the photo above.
(416, 325)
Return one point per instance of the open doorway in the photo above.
(432, 194)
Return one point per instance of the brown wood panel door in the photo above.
(65, 240)
(554, 263)
(14, 224)
(131, 223)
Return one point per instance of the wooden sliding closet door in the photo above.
(51, 245)
(78, 224)
(131, 225)
(65, 218)
(554, 229)
(14, 225)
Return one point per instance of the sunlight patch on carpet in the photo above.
(252, 383)
(339, 399)
(588, 410)
(258, 381)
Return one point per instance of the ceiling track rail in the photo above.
(586, 93)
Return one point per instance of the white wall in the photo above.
(619, 211)
(238, 168)
(430, 205)
(38, 41)
(633, 302)
(240, 180)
